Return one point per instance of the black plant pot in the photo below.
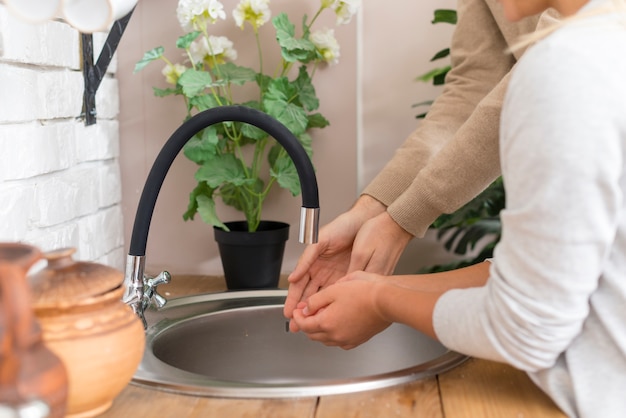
(252, 260)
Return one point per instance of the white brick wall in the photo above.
(59, 179)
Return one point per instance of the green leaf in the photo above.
(292, 48)
(273, 154)
(276, 103)
(201, 189)
(148, 57)
(225, 168)
(440, 79)
(441, 54)
(185, 41)
(307, 143)
(306, 91)
(206, 209)
(283, 25)
(205, 101)
(263, 81)
(193, 82)
(165, 92)
(290, 115)
(445, 16)
(203, 146)
(231, 73)
(243, 198)
(430, 75)
(279, 89)
(250, 131)
(424, 103)
(253, 132)
(471, 235)
(285, 174)
(316, 120)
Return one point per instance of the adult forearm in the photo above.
(367, 207)
(459, 172)
(453, 154)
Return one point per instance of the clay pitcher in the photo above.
(31, 375)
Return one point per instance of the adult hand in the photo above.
(378, 245)
(344, 314)
(322, 264)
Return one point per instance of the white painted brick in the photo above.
(51, 43)
(97, 142)
(98, 42)
(100, 233)
(107, 99)
(110, 185)
(116, 259)
(33, 149)
(60, 183)
(66, 195)
(34, 94)
(16, 210)
(18, 101)
(60, 94)
(53, 238)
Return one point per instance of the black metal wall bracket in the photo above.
(94, 73)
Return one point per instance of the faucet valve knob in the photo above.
(163, 277)
(158, 300)
(150, 289)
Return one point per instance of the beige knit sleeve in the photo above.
(457, 173)
(453, 154)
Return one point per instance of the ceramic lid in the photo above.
(65, 282)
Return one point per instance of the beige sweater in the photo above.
(453, 154)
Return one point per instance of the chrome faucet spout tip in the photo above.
(309, 225)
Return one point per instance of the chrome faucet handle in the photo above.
(150, 293)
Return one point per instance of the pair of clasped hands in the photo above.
(333, 289)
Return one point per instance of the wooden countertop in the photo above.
(475, 389)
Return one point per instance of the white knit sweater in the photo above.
(555, 302)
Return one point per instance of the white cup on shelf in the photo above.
(90, 16)
(34, 11)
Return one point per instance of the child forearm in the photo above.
(472, 276)
(411, 299)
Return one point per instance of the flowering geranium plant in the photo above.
(207, 77)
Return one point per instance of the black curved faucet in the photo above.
(141, 290)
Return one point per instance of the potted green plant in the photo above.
(239, 163)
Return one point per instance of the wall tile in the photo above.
(32, 149)
(48, 44)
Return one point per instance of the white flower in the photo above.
(173, 72)
(256, 12)
(344, 9)
(326, 44)
(195, 14)
(217, 49)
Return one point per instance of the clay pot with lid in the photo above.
(85, 322)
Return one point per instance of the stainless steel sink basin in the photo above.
(236, 344)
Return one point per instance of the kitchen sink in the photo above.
(237, 345)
